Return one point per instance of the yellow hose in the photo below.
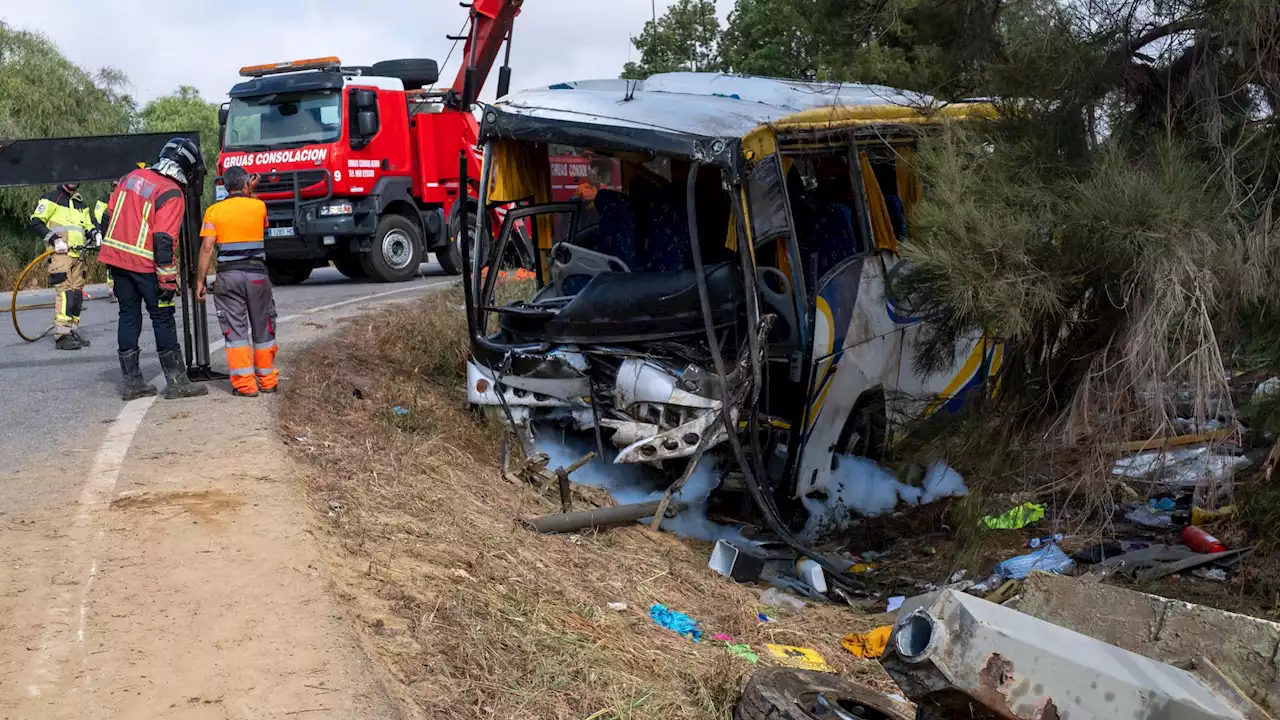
(13, 300)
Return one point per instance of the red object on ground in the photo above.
(1200, 541)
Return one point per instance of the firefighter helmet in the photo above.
(183, 154)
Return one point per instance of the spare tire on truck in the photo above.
(414, 73)
(786, 694)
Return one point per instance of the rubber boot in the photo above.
(68, 342)
(175, 373)
(134, 386)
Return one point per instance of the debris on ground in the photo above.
(1050, 559)
(868, 645)
(780, 600)
(801, 658)
(675, 621)
(1030, 668)
(1015, 518)
(1163, 629)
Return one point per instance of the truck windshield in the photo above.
(282, 119)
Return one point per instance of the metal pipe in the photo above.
(599, 517)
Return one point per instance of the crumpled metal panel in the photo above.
(963, 657)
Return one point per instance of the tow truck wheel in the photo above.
(288, 272)
(396, 252)
(350, 265)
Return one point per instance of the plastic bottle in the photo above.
(1200, 541)
(775, 598)
(1037, 542)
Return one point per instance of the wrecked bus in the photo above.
(729, 299)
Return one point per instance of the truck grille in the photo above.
(273, 183)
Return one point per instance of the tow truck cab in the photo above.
(354, 165)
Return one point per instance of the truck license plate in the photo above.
(286, 231)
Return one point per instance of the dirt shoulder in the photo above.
(475, 615)
(194, 589)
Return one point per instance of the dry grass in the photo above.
(477, 616)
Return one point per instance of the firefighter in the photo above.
(61, 220)
(98, 217)
(233, 229)
(140, 248)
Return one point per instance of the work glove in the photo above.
(167, 296)
(60, 246)
(95, 240)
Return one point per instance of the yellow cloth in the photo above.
(522, 171)
(868, 645)
(881, 225)
(910, 187)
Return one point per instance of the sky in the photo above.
(161, 46)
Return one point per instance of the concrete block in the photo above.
(1243, 648)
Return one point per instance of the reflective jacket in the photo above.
(237, 226)
(145, 218)
(98, 215)
(61, 213)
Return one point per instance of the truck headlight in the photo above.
(335, 209)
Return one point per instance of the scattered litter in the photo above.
(1213, 574)
(400, 410)
(618, 606)
(1105, 550)
(1159, 571)
(895, 602)
(860, 568)
(675, 621)
(1147, 517)
(1165, 504)
(1267, 387)
(1049, 559)
(868, 645)
(872, 555)
(1187, 468)
(992, 582)
(732, 562)
(1200, 516)
(762, 617)
(799, 658)
(781, 600)
(1034, 543)
(957, 576)
(1200, 541)
(300, 438)
(811, 572)
(741, 650)
(1004, 593)
(1015, 518)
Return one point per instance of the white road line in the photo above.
(57, 642)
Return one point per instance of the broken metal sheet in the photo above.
(1187, 468)
(679, 442)
(965, 657)
(699, 104)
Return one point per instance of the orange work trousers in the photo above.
(247, 314)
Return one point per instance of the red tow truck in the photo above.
(359, 165)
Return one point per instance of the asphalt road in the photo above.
(55, 406)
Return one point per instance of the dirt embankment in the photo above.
(477, 616)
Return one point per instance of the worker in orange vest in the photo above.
(233, 231)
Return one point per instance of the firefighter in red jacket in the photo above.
(140, 249)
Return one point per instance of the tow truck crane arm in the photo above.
(491, 22)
